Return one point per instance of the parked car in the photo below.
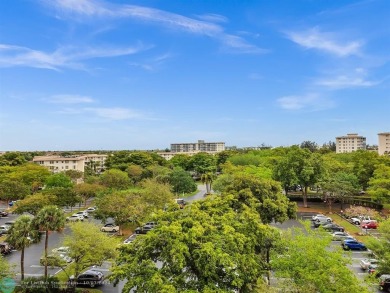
(355, 220)
(55, 260)
(144, 229)
(61, 250)
(90, 278)
(75, 218)
(372, 224)
(3, 213)
(5, 248)
(81, 213)
(318, 216)
(337, 236)
(130, 239)
(372, 270)
(353, 244)
(332, 227)
(181, 202)
(384, 283)
(4, 229)
(91, 209)
(109, 228)
(365, 263)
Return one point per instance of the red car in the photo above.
(370, 225)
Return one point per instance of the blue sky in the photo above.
(116, 74)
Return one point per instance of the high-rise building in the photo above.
(384, 143)
(191, 149)
(350, 143)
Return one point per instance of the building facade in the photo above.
(350, 143)
(191, 149)
(200, 146)
(384, 143)
(60, 164)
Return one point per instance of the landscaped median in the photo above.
(351, 229)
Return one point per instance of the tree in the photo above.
(12, 189)
(122, 159)
(88, 246)
(202, 163)
(59, 180)
(339, 186)
(155, 196)
(50, 218)
(65, 196)
(5, 270)
(120, 206)
(310, 145)
(34, 203)
(135, 173)
(208, 248)
(88, 190)
(181, 160)
(181, 181)
(379, 184)
(380, 246)
(207, 179)
(21, 235)
(364, 165)
(12, 159)
(284, 173)
(115, 179)
(307, 265)
(74, 175)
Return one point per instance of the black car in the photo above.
(3, 214)
(333, 228)
(90, 278)
(384, 283)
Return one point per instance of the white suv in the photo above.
(75, 218)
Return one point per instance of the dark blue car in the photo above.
(353, 244)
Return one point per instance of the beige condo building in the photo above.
(384, 143)
(60, 164)
(191, 149)
(350, 143)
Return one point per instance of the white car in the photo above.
(82, 213)
(75, 218)
(355, 220)
(61, 250)
(365, 263)
(91, 209)
(321, 218)
(315, 217)
(109, 228)
(341, 236)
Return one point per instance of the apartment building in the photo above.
(191, 149)
(200, 146)
(384, 143)
(350, 143)
(59, 164)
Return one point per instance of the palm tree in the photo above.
(207, 178)
(22, 235)
(49, 218)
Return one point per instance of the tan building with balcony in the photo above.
(384, 143)
(191, 149)
(60, 164)
(350, 143)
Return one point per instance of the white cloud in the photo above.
(63, 57)
(116, 113)
(343, 81)
(69, 99)
(310, 102)
(327, 42)
(213, 17)
(206, 27)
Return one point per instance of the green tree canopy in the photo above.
(202, 163)
(34, 203)
(88, 246)
(59, 180)
(115, 179)
(379, 184)
(181, 181)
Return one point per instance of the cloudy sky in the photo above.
(123, 74)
